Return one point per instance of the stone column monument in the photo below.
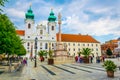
(61, 55)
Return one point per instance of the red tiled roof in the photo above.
(77, 38)
(20, 32)
(114, 41)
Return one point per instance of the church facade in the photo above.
(47, 37)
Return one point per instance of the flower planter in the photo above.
(50, 61)
(110, 73)
(110, 67)
(86, 60)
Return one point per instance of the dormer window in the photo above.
(52, 27)
(29, 26)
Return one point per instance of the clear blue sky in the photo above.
(98, 18)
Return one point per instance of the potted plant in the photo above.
(41, 54)
(86, 52)
(50, 59)
(110, 67)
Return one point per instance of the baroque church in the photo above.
(48, 37)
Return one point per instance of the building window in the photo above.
(55, 44)
(40, 37)
(69, 44)
(69, 49)
(96, 45)
(74, 49)
(83, 44)
(64, 44)
(52, 37)
(78, 44)
(88, 44)
(41, 32)
(46, 45)
(73, 44)
(92, 49)
(28, 44)
(96, 49)
(91, 44)
(52, 45)
(74, 54)
(28, 36)
(52, 27)
(29, 26)
(40, 44)
(41, 48)
(78, 49)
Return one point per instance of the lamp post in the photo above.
(31, 54)
(36, 39)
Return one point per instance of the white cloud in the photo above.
(103, 26)
(15, 13)
(79, 22)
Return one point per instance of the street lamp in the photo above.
(36, 39)
(31, 54)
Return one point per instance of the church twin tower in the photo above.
(44, 31)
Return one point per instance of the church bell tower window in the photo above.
(29, 26)
(52, 27)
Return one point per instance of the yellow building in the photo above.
(75, 42)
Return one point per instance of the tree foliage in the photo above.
(109, 52)
(10, 43)
(42, 53)
(2, 2)
(86, 52)
(51, 53)
(109, 65)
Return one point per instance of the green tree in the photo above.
(10, 42)
(2, 2)
(109, 52)
(20, 51)
(7, 35)
(86, 52)
(42, 53)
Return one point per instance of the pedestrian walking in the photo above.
(25, 61)
(91, 59)
(76, 58)
(103, 58)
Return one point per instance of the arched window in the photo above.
(29, 26)
(52, 27)
(46, 45)
(28, 44)
(40, 44)
(41, 32)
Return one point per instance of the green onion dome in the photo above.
(51, 18)
(29, 14)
